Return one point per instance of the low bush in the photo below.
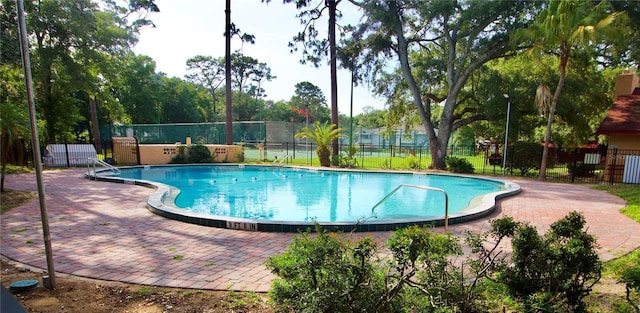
(582, 170)
(554, 271)
(192, 154)
(180, 157)
(199, 154)
(459, 165)
(324, 273)
(631, 280)
(413, 162)
(526, 156)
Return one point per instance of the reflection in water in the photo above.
(298, 195)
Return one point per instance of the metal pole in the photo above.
(506, 135)
(26, 65)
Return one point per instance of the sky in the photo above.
(195, 27)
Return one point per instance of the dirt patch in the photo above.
(13, 198)
(73, 294)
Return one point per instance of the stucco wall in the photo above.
(162, 153)
(625, 142)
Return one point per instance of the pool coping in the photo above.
(483, 205)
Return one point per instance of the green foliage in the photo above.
(525, 156)
(193, 154)
(631, 280)
(560, 267)
(413, 162)
(327, 273)
(199, 154)
(180, 157)
(458, 165)
(323, 135)
(581, 169)
(427, 71)
(309, 101)
(324, 273)
(348, 158)
(371, 118)
(631, 194)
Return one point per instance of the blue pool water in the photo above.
(300, 195)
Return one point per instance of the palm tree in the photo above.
(13, 125)
(563, 26)
(323, 135)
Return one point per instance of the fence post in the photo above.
(66, 151)
(137, 149)
(575, 161)
(613, 166)
(264, 155)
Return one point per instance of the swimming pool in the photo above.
(286, 199)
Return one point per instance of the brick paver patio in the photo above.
(104, 231)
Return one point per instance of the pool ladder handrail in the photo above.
(280, 158)
(95, 161)
(446, 200)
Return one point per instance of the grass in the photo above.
(403, 162)
(13, 198)
(631, 194)
(16, 169)
(613, 269)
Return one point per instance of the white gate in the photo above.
(631, 169)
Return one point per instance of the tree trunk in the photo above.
(324, 155)
(334, 72)
(4, 155)
(95, 126)
(564, 58)
(228, 119)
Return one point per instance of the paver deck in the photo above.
(103, 231)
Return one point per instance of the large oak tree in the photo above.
(455, 38)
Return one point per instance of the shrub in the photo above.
(526, 156)
(348, 158)
(193, 154)
(458, 165)
(199, 154)
(582, 170)
(180, 157)
(631, 279)
(325, 273)
(562, 264)
(413, 162)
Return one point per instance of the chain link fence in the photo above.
(275, 142)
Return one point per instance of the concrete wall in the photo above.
(124, 152)
(162, 153)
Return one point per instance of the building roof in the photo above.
(624, 116)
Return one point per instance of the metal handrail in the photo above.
(95, 161)
(446, 200)
(280, 158)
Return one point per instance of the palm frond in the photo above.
(543, 98)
